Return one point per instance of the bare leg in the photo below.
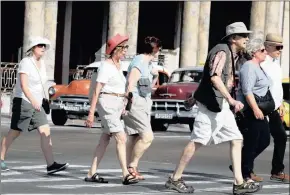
(121, 151)
(46, 144)
(130, 145)
(140, 147)
(99, 153)
(187, 154)
(7, 141)
(236, 156)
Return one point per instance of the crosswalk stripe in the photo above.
(9, 173)
(36, 180)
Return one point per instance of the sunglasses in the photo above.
(244, 35)
(123, 46)
(41, 45)
(279, 47)
(263, 50)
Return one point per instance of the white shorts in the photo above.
(214, 128)
(110, 108)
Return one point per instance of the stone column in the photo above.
(33, 21)
(203, 35)
(272, 17)
(258, 16)
(285, 54)
(132, 26)
(50, 22)
(117, 18)
(189, 40)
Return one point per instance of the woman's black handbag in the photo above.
(265, 103)
(45, 105)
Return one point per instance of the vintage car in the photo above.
(72, 101)
(168, 99)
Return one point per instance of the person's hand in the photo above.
(36, 105)
(282, 110)
(90, 120)
(155, 72)
(189, 102)
(258, 114)
(238, 106)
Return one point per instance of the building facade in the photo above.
(78, 31)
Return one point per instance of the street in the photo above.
(208, 171)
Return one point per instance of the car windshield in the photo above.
(186, 76)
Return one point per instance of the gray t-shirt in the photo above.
(252, 80)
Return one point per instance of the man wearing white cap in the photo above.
(28, 111)
(214, 99)
(274, 46)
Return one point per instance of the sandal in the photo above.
(96, 178)
(134, 171)
(127, 180)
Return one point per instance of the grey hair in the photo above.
(254, 45)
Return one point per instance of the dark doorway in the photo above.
(87, 27)
(157, 19)
(224, 13)
(12, 25)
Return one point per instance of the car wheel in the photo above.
(58, 117)
(158, 126)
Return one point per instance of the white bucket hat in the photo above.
(33, 41)
(236, 28)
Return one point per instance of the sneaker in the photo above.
(254, 177)
(56, 167)
(4, 166)
(246, 187)
(179, 186)
(278, 177)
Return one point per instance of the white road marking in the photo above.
(9, 173)
(36, 180)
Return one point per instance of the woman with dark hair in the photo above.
(140, 80)
(108, 98)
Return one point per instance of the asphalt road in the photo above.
(207, 172)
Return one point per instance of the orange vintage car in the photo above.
(72, 101)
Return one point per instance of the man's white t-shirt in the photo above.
(112, 77)
(28, 66)
(274, 71)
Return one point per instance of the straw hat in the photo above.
(114, 42)
(274, 38)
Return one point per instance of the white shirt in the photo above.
(112, 77)
(28, 66)
(273, 69)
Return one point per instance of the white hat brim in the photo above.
(38, 41)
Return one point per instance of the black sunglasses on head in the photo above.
(123, 46)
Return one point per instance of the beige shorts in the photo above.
(138, 120)
(214, 128)
(110, 109)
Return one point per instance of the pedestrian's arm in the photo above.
(216, 68)
(95, 97)
(134, 76)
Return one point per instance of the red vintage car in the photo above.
(168, 100)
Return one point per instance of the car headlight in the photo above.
(51, 91)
